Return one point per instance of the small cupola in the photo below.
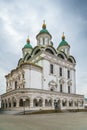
(27, 47)
(64, 46)
(44, 37)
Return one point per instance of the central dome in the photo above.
(44, 30)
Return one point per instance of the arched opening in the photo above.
(14, 102)
(49, 51)
(21, 102)
(6, 105)
(50, 102)
(40, 103)
(61, 56)
(9, 103)
(64, 103)
(27, 102)
(46, 102)
(16, 84)
(70, 60)
(76, 103)
(70, 103)
(35, 103)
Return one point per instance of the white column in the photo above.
(43, 103)
(31, 103)
(17, 103)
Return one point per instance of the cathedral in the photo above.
(45, 75)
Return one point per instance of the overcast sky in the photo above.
(20, 18)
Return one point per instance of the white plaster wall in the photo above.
(33, 78)
(47, 77)
(73, 82)
(36, 79)
(65, 80)
(27, 78)
(41, 37)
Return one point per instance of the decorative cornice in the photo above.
(40, 91)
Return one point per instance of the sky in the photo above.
(22, 18)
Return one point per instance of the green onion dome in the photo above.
(44, 30)
(63, 42)
(28, 45)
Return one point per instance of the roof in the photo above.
(63, 42)
(28, 45)
(44, 30)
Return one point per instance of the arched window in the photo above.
(69, 89)
(51, 68)
(60, 71)
(61, 88)
(15, 84)
(68, 74)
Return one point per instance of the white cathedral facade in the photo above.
(44, 75)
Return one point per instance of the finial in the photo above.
(63, 37)
(44, 25)
(28, 40)
(43, 21)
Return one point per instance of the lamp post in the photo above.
(24, 105)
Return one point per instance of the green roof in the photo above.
(63, 43)
(44, 30)
(28, 46)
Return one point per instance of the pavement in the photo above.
(53, 121)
